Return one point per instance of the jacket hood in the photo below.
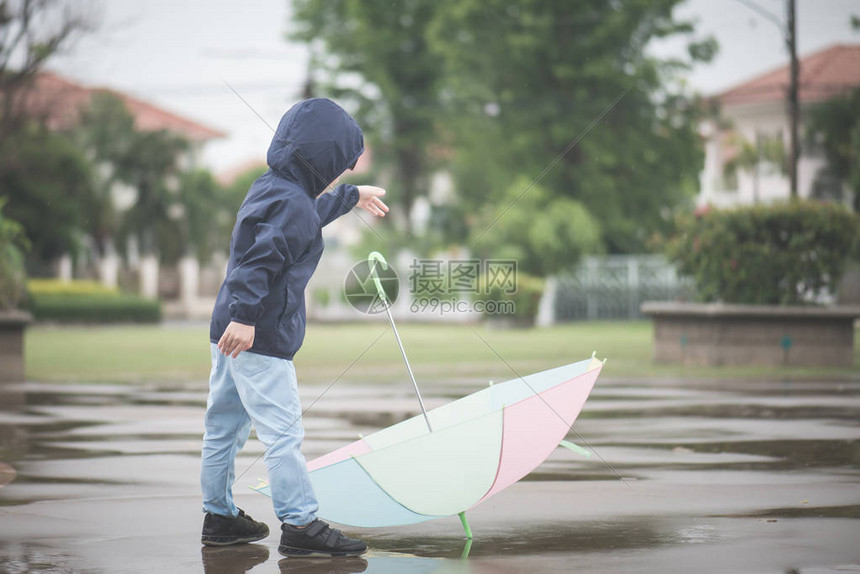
(315, 142)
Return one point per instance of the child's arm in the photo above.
(332, 205)
(335, 203)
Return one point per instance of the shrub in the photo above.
(526, 299)
(787, 253)
(12, 245)
(37, 287)
(94, 308)
(545, 233)
(87, 302)
(322, 297)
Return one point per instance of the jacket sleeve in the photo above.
(332, 205)
(277, 242)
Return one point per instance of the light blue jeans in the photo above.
(262, 390)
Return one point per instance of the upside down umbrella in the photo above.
(453, 457)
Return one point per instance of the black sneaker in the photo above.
(318, 539)
(223, 531)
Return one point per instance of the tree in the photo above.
(175, 212)
(527, 80)
(13, 243)
(383, 51)
(106, 130)
(146, 161)
(47, 182)
(44, 178)
(31, 31)
(151, 166)
(235, 192)
(834, 126)
(750, 156)
(206, 224)
(543, 234)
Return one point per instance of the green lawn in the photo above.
(437, 352)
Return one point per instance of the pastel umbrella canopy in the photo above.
(480, 444)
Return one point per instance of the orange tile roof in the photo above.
(59, 102)
(823, 75)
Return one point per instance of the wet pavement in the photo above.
(687, 476)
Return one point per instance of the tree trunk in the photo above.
(409, 167)
(793, 111)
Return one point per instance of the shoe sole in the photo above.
(229, 540)
(305, 553)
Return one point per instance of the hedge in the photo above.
(13, 243)
(95, 309)
(87, 302)
(526, 298)
(788, 253)
(38, 287)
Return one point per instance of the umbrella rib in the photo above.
(363, 353)
(549, 406)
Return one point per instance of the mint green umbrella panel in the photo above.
(479, 445)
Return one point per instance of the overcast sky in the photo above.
(178, 54)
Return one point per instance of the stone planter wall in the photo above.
(715, 334)
(12, 326)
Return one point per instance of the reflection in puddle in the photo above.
(232, 559)
(395, 554)
(371, 564)
(591, 536)
(241, 558)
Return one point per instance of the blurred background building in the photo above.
(745, 143)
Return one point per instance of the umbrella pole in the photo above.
(408, 368)
(372, 261)
(465, 523)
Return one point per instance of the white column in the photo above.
(591, 270)
(149, 276)
(189, 280)
(633, 287)
(109, 268)
(546, 308)
(64, 269)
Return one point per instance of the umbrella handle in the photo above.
(372, 259)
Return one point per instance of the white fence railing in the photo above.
(613, 287)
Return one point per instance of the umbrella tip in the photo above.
(491, 383)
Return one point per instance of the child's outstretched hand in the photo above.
(368, 200)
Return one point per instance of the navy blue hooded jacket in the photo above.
(277, 241)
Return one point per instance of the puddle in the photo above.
(37, 558)
(851, 511)
(708, 466)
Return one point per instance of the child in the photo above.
(258, 325)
